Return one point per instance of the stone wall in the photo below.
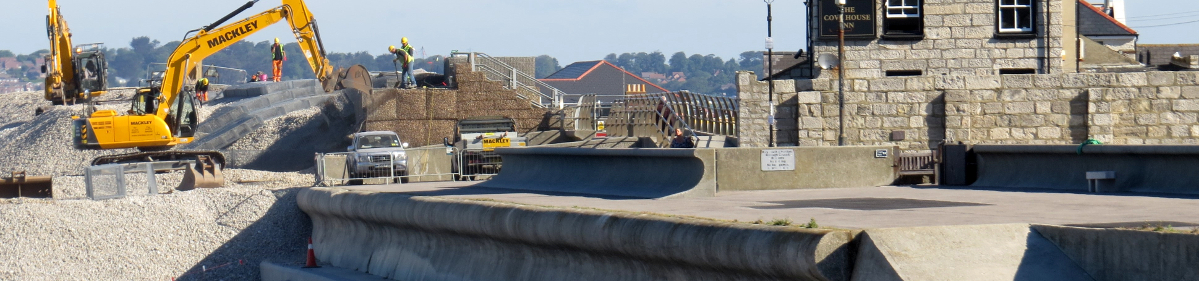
(959, 39)
(1116, 108)
(425, 116)
(755, 108)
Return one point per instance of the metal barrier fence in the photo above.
(110, 181)
(422, 164)
(215, 74)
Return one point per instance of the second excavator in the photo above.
(164, 115)
(72, 72)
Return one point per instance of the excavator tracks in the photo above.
(150, 156)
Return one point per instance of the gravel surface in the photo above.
(159, 237)
(173, 234)
(272, 131)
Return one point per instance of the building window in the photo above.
(903, 19)
(1016, 16)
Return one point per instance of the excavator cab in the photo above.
(92, 74)
(183, 117)
(145, 101)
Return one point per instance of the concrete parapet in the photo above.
(1119, 255)
(666, 173)
(641, 173)
(976, 252)
(815, 167)
(1138, 168)
(402, 237)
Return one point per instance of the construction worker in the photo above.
(277, 59)
(404, 53)
(202, 90)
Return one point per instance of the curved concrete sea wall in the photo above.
(640, 173)
(402, 237)
(1138, 168)
(667, 173)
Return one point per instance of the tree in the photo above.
(678, 62)
(546, 65)
(6, 54)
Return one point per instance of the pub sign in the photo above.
(859, 19)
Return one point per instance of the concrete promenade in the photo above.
(861, 208)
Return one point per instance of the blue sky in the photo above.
(571, 30)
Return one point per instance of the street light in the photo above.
(841, 71)
(770, 70)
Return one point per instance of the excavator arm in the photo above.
(187, 56)
(164, 115)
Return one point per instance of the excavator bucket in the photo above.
(21, 185)
(205, 173)
(356, 77)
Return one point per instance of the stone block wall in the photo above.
(425, 116)
(959, 39)
(755, 108)
(1115, 108)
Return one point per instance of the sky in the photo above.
(570, 30)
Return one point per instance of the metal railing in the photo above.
(525, 85)
(215, 74)
(659, 114)
(423, 164)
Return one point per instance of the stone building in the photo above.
(922, 72)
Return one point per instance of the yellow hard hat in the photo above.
(276, 39)
(391, 48)
(404, 40)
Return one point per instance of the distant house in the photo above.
(786, 66)
(1159, 54)
(1103, 29)
(653, 76)
(602, 78)
(678, 76)
(9, 63)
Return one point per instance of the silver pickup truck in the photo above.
(377, 154)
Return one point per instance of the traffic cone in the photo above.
(311, 263)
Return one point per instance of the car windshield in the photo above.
(377, 141)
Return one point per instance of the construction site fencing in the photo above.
(215, 74)
(423, 164)
(526, 86)
(659, 114)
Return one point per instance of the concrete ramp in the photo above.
(976, 252)
(639, 173)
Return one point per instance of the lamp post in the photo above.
(841, 71)
(770, 71)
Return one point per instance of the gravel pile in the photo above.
(227, 231)
(43, 145)
(174, 234)
(296, 122)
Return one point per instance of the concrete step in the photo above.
(974, 252)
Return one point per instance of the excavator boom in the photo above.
(187, 56)
(164, 115)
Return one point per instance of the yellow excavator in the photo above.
(154, 129)
(72, 72)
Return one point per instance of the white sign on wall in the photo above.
(778, 160)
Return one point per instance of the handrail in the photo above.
(514, 77)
